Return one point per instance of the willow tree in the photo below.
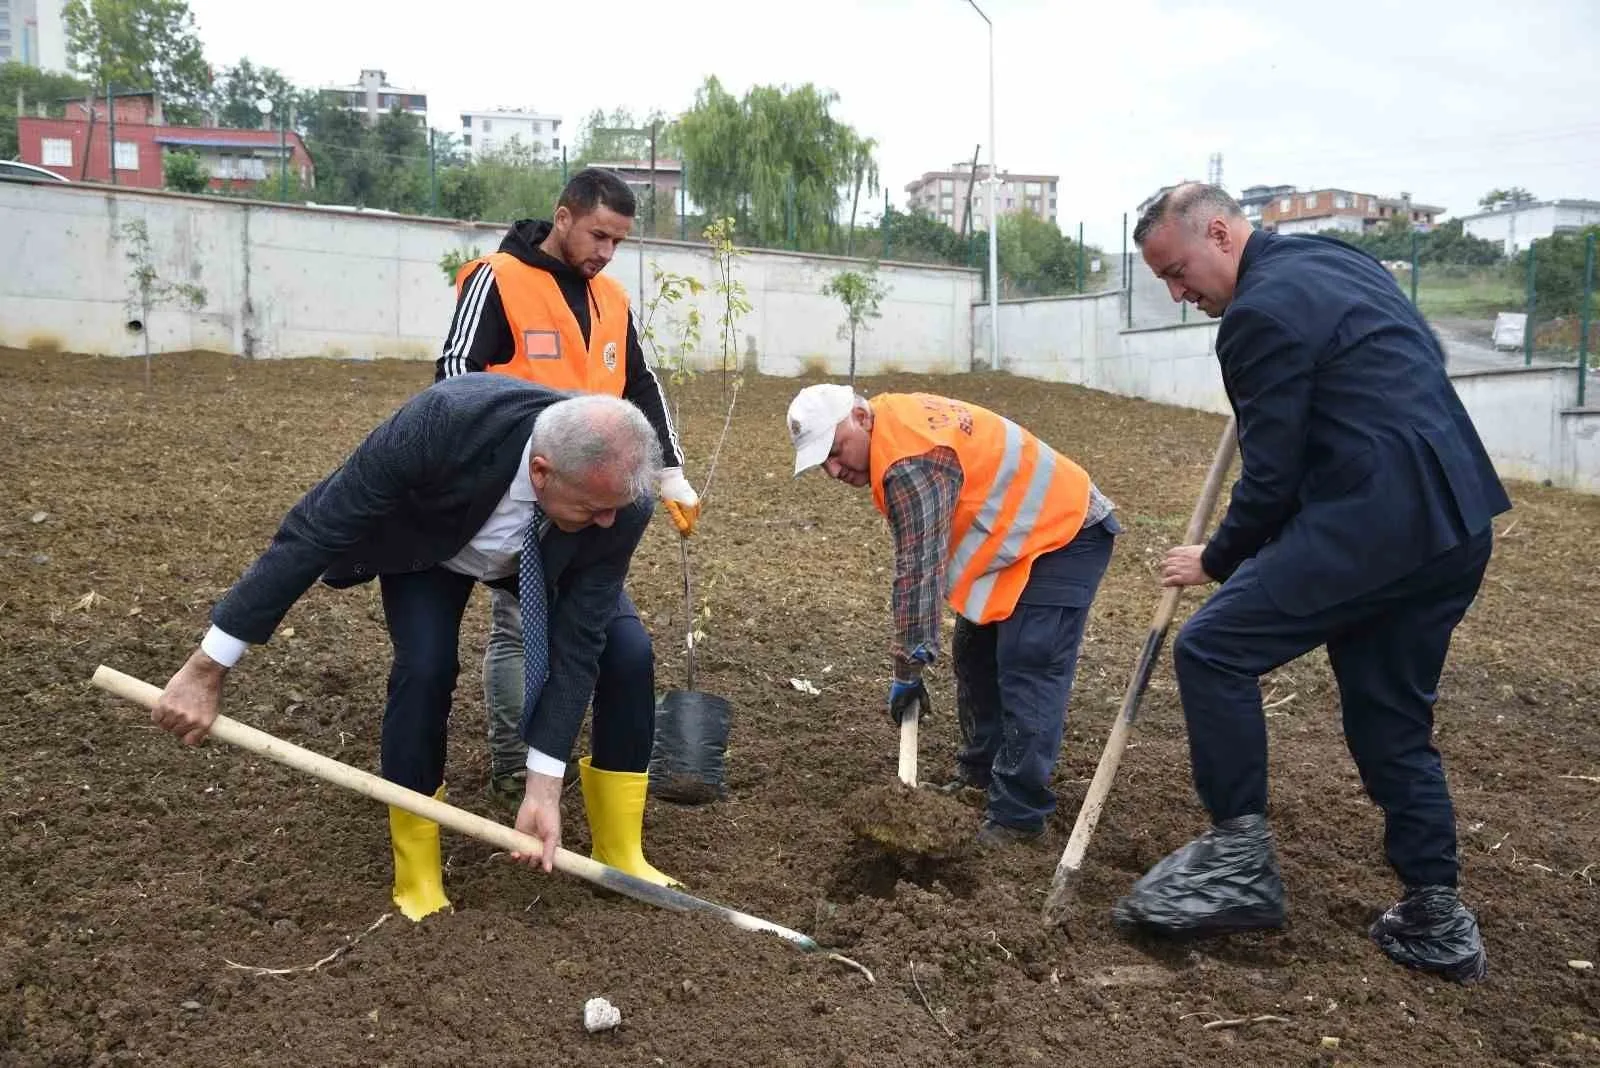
(863, 173)
(776, 160)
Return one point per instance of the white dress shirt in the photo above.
(490, 555)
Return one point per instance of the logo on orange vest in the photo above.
(609, 357)
(942, 413)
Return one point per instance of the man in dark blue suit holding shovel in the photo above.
(1361, 521)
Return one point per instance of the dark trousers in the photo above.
(624, 722)
(1387, 650)
(423, 612)
(1014, 679)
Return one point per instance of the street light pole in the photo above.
(994, 227)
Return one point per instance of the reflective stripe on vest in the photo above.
(1019, 497)
(548, 345)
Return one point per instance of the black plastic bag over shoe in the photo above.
(1432, 930)
(1225, 880)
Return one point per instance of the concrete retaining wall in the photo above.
(1082, 340)
(284, 281)
(1524, 415)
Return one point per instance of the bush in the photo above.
(185, 172)
(1557, 272)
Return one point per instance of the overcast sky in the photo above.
(1444, 99)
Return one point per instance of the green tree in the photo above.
(604, 137)
(1515, 195)
(140, 45)
(516, 185)
(37, 88)
(463, 193)
(1558, 263)
(379, 165)
(918, 237)
(1036, 259)
(1447, 243)
(241, 85)
(860, 292)
(863, 170)
(185, 173)
(776, 160)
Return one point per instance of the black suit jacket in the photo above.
(1358, 461)
(411, 496)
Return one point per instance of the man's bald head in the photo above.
(1193, 238)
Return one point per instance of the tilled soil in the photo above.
(137, 875)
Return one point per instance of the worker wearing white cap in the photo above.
(1013, 535)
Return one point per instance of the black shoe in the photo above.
(992, 835)
(1226, 880)
(1430, 929)
(507, 790)
(965, 791)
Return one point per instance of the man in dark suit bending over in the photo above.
(482, 478)
(1360, 521)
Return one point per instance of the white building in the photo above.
(374, 96)
(31, 32)
(943, 195)
(1514, 226)
(485, 132)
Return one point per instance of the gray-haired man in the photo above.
(481, 478)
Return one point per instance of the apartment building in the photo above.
(943, 195)
(486, 132)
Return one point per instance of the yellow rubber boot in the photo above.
(614, 801)
(418, 877)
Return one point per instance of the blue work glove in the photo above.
(907, 690)
(905, 695)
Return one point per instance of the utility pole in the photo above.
(994, 223)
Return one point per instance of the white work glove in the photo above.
(683, 503)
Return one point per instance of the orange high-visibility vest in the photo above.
(1019, 497)
(549, 346)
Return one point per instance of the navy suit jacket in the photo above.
(411, 496)
(1358, 461)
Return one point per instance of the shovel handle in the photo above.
(688, 608)
(1094, 799)
(446, 815)
(908, 745)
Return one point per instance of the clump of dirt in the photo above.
(912, 822)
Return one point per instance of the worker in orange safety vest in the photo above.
(1013, 536)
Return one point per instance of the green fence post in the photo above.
(283, 152)
(1127, 273)
(1080, 256)
(1527, 330)
(1413, 268)
(887, 229)
(1588, 308)
(788, 210)
(683, 200)
(433, 170)
(563, 166)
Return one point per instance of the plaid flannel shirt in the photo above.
(920, 494)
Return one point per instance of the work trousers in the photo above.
(1014, 679)
(624, 704)
(1387, 649)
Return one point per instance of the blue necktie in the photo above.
(535, 613)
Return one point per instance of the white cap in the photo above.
(814, 415)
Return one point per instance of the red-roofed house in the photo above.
(76, 147)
